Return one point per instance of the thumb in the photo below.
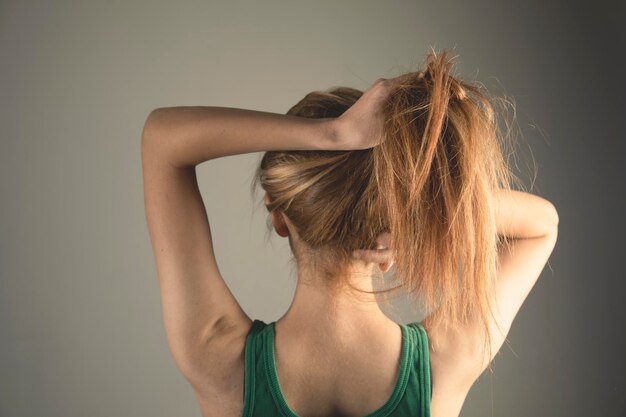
(373, 255)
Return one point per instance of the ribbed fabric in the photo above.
(263, 397)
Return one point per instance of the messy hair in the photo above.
(429, 184)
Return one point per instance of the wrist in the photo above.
(338, 134)
(330, 134)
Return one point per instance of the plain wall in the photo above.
(81, 331)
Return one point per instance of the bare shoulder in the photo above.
(217, 376)
(456, 352)
(453, 368)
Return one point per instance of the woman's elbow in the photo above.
(151, 129)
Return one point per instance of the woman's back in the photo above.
(294, 376)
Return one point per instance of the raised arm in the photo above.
(200, 314)
(533, 223)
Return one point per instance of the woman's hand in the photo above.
(382, 255)
(362, 125)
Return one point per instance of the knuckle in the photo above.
(382, 81)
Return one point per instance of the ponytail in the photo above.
(437, 171)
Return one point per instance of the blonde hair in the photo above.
(429, 184)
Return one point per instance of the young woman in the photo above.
(409, 173)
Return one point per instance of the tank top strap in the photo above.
(252, 356)
(422, 364)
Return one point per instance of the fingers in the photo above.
(374, 255)
(390, 82)
(381, 254)
(382, 257)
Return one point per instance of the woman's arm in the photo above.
(203, 321)
(190, 135)
(200, 314)
(523, 215)
(532, 223)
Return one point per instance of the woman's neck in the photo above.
(334, 313)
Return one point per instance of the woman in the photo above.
(409, 173)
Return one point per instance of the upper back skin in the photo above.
(320, 381)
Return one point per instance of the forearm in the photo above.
(189, 135)
(524, 215)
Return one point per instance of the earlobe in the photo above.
(282, 232)
(279, 224)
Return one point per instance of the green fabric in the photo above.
(263, 397)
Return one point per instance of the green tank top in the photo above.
(263, 397)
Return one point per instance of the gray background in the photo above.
(80, 320)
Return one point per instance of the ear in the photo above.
(278, 221)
